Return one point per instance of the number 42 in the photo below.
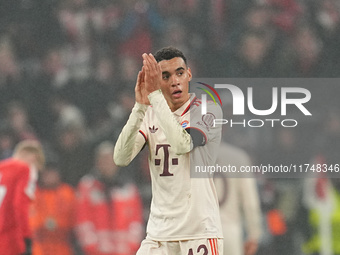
(201, 247)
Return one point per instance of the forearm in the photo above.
(126, 146)
(177, 137)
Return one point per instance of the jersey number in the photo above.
(199, 249)
(3, 191)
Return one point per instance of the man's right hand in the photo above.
(140, 91)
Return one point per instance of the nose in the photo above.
(174, 80)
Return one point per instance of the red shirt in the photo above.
(108, 224)
(17, 186)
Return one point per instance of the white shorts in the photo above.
(188, 247)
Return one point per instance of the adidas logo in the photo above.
(153, 129)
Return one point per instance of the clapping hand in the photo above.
(140, 91)
(148, 80)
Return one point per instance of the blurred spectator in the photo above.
(326, 20)
(129, 67)
(176, 36)
(9, 69)
(109, 211)
(322, 193)
(140, 25)
(287, 148)
(286, 13)
(67, 114)
(7, 141)
(327, 144)
(253, 58)
(75, 153)
(276, 228)
(19, 121)
(52, 214)
(94, 95)
(73, 19)
(258, 18)
(282, 211)
(10, 80)
(78, 61)
(304, 55)
(33, 28)
(54, 69)
(322, 200)
(239, 204)
(41, 89)
(120, 110)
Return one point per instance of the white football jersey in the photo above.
(182, 207)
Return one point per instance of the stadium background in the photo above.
(68, 69)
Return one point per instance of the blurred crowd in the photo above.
(68, 69)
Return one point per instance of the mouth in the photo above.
(177, 93)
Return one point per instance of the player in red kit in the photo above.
(18, 177)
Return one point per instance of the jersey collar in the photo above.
(185, 108)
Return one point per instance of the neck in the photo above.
(174, 107)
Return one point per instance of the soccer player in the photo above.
(184, 216)
(17, 186)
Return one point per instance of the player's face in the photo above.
(175, 82)
(32, 159)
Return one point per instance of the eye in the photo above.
(165, 77)
(180, 73)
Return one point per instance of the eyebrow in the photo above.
(178, 69)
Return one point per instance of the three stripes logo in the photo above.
(206, 89)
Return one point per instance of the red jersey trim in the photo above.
(213, 246)
(195, 101)
(145, 137)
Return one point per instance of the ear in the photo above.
(189, 73)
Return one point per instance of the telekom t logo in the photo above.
(239, 100)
